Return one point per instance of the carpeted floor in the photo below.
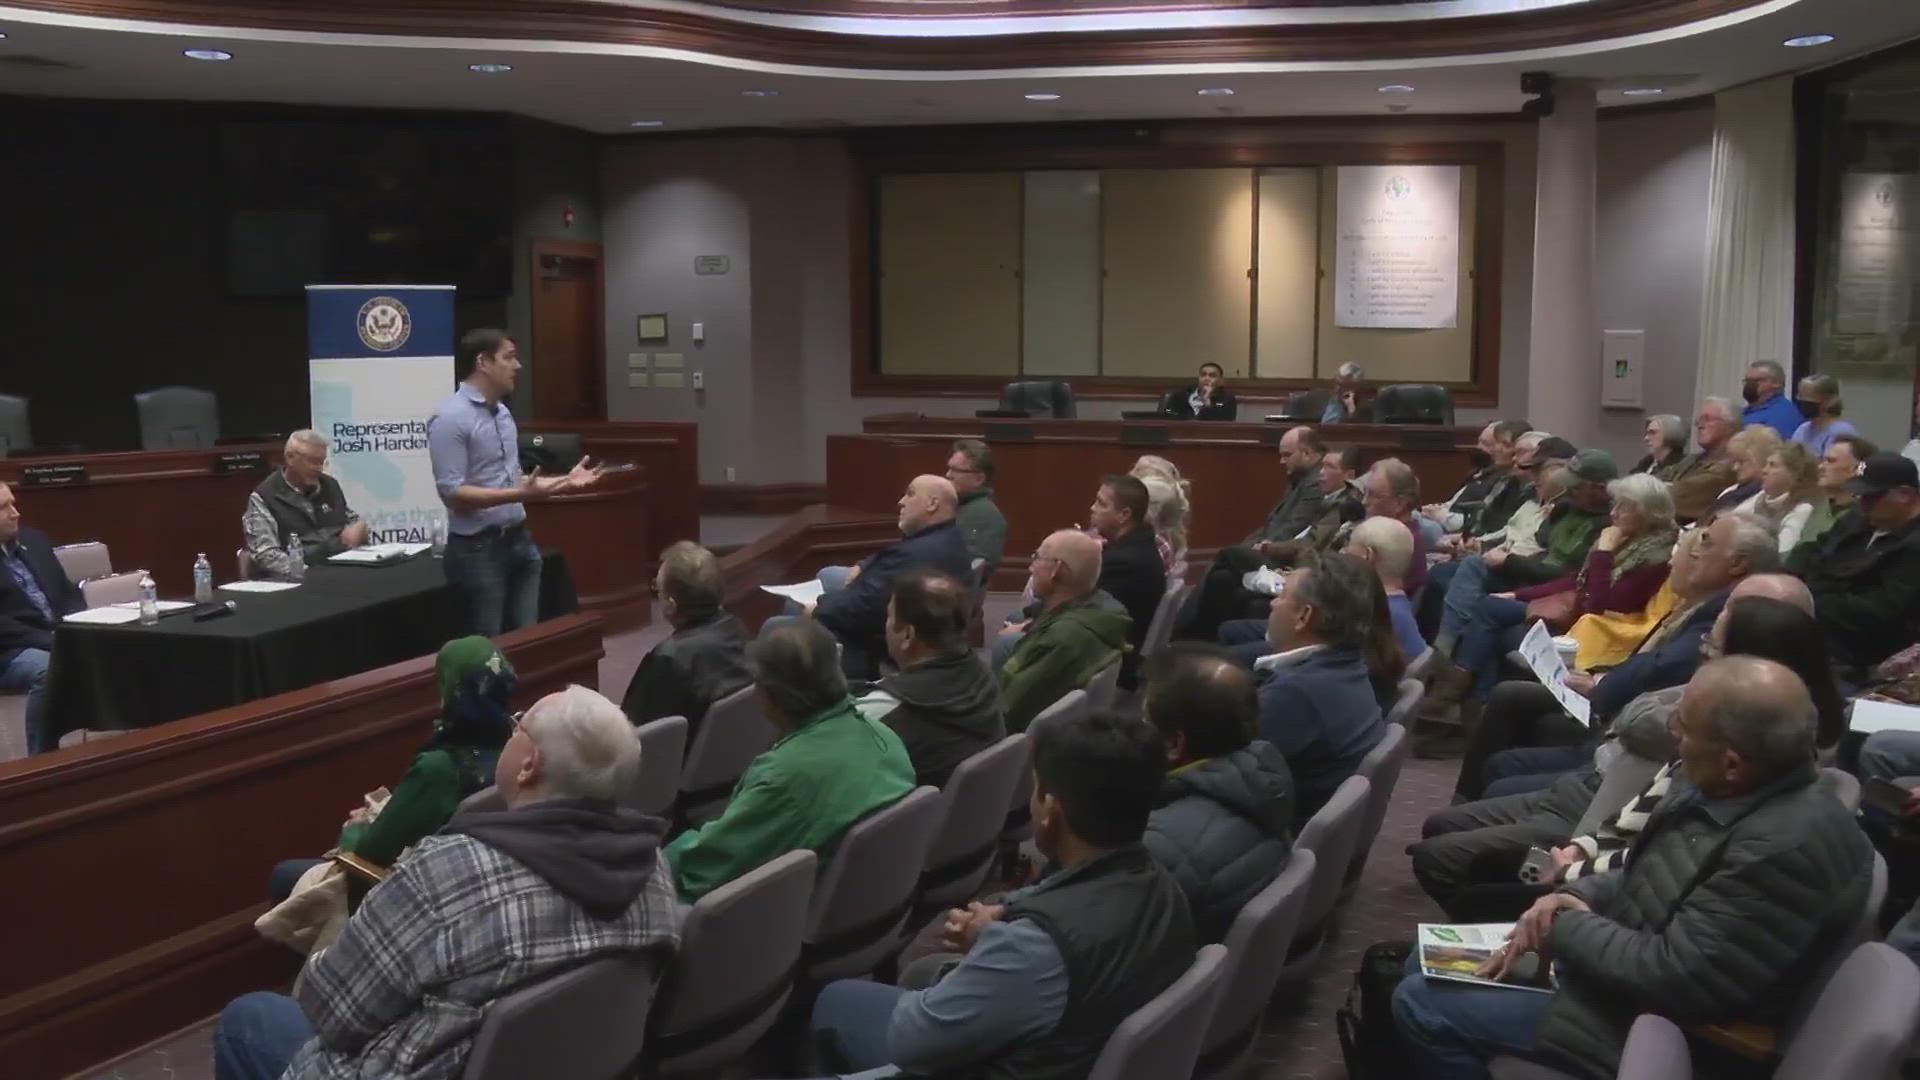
(1300, 1045)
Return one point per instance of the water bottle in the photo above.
(202, 580)
(296, 559)
(149, 601)
(439, 537)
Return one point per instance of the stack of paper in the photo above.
(1870, 716)
(103, 616)
(164, 605)
(259, 586)
(806, 594)
(378, 553)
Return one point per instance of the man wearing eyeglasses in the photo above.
(982, 525)
(1701, 477)
(299, 502)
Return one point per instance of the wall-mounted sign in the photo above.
(240, 461)
(63, 474)
(710, 264)
(1397, 257)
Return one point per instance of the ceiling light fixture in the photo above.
(1807, 41)
(647, 123)
(759, 93)
(489, 69)
(1396, 88)
(207, 54)
(1217, 91)
(1042, 96)
(1642, 91)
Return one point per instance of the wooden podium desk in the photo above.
(1046, 471)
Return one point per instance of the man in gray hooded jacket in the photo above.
(1224, 823)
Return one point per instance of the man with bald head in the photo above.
(1079, 632)
(856, 612)
(1745, 878)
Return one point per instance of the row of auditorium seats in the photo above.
(1406, 403)
(748, 946)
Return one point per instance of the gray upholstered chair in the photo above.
(1256, 944)
(1381, 767)
(581, 1024)
(177, 418)
(87, 559)
(1864, 1021)
(1162, 1038)
(1656, 1050)
(736, 730)
(973, 810)
(1160, 630)
(866, 890)
(112, 589)
(1412, 690)
(16, 434)
(734, 971)
(1104, 688)
(663, 748)
(1331, 834)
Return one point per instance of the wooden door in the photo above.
(569, 366)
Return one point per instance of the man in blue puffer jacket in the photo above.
(1224, 824)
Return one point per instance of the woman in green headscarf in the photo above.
(475, 721)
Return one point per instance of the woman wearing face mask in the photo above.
(1819, 401)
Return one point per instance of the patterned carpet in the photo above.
(1300, 1045)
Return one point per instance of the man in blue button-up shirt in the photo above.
(475, 449)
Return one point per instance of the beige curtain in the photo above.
(1747, 308)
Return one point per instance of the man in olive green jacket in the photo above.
(1079, 632)
(830, 768)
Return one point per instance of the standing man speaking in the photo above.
(475, 448)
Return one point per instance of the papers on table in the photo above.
(104, 616)
(259, 586)
(806, 594)
(1538, 651)
(165, 605)
(1870, 716)
(378, 553)
(1265, 580)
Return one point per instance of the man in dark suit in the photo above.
(1130, 568)
(34, 594)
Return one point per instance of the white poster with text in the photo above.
(1397, 248)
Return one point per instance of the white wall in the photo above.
(779, 324)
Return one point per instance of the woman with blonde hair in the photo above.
(1169, 508)
(1790, 498)
(1748, 450)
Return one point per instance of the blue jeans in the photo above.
(1486, 639)
(853, 1015)
(1451, 1030)
(28, 671)
(1466, 587)
(286, 874)
(1532, 768)
(257, 1036)
(498, 574)
(1886, 755)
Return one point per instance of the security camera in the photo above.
(1538, 84)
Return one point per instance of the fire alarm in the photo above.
(566, 215)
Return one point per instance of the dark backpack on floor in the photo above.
(1368, 1039)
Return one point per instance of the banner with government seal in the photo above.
(1397, 247)
(379, 359)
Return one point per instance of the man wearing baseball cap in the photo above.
(1865, 572)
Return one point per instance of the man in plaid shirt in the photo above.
(495, 901)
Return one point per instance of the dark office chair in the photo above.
(1035, 397)
(1413, 403)
(553, 453)
(15, 435)
(177, 418)
(1307, 404)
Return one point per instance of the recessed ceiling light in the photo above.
(3, 35)
(1642, 91)
(1396, 88)
(759, 93)
(1807, 41)
(1217, 91)
(1042, 96)
(647, 123)
(207, 54)
(490, 69)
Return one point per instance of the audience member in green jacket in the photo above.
(830, 767)
(1079, 632)
(475, 721)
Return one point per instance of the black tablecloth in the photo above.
(341, 621)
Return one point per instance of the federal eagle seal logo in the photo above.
(384, 324)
